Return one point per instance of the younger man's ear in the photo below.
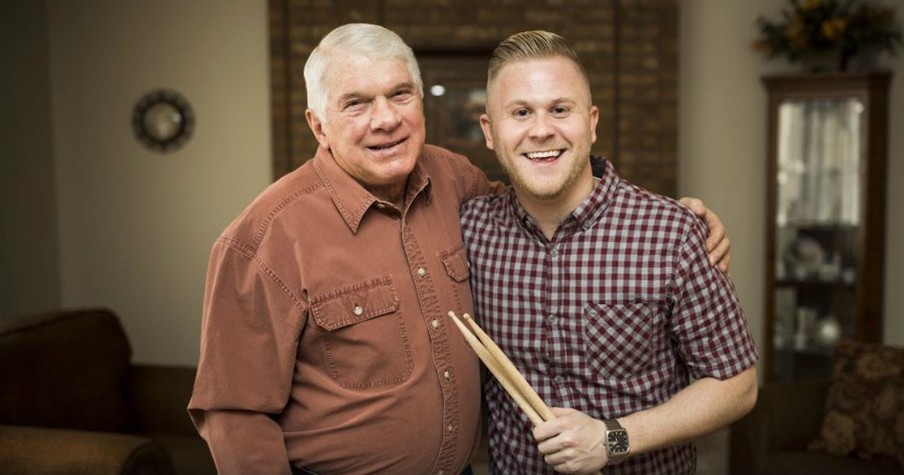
(487, 130)
(594, 120)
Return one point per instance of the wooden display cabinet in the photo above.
(825, 218)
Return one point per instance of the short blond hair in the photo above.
(531, 44)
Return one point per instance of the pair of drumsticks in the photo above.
(503, 369)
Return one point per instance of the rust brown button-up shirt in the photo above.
(325, 341)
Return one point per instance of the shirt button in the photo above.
(449, 427)
(559, 380)
(435, 323)
(554, 252)
(441, 472)
(421, 271)
(447, 374)
(553, 319)
(358, 310)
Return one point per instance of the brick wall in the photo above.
(628, 47)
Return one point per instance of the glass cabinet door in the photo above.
(819, 153)
(820, 159)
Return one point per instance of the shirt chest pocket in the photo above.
(363, 336)
(455, 263)
(621, 339)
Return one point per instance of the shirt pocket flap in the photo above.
(354, 304)
(456, 264)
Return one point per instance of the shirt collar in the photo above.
(352, 200)
(589, 212)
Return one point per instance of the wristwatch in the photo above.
(617, 446)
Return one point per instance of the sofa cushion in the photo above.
(43, 451)
(817, 463)
(189, 453)
(66, 369)
(864, 414)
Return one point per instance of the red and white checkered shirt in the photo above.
(614, 315)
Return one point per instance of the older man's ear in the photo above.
(316, 126)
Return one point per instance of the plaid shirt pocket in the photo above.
(620, 338)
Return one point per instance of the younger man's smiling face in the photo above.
(541, 124)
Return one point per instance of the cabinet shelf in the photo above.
(816, 226)
(812, 351)
(825, 216)
(814, 284)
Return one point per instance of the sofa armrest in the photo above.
(787, 416)
(158, 397)
(41, 451)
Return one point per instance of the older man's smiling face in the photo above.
(373, 124)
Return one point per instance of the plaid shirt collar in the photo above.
(585, 216)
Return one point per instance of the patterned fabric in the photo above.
(614, 315)
(865, 407)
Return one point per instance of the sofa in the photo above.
(73, 402)
(849, 424)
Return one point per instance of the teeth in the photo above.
(389, 145)
(539, 155)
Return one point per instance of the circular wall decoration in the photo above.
(163, 120)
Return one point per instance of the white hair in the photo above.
(372, 41)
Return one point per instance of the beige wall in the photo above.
(29, 262)
(722, 142)
(136, 226)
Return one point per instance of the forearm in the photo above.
(243, 442)
(703, 407)
(250, 334)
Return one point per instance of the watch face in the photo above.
(618, 441)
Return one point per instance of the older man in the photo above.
(325, 346)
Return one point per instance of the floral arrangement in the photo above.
(842, 28)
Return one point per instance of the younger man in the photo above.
(598, 290)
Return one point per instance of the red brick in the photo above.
(628, 48)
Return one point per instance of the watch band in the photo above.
(617, 444)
